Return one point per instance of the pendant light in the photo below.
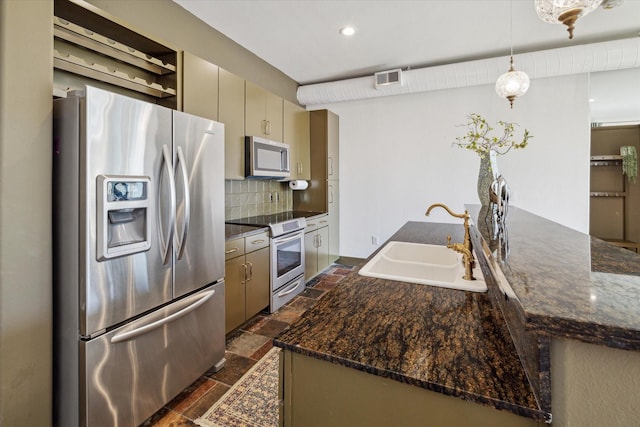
(565, 12)
(512, 84)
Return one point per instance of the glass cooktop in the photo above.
(270, 219)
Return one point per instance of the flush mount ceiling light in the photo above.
(512, 84)
(565, 12)
(347, 31)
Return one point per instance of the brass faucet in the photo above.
(465, 248)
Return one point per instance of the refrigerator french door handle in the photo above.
(166, 244)
(187, 204)
(125, 336)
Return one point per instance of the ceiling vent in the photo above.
(388, 78)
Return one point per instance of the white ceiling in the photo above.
(300, 37)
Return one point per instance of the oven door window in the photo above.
(289, 256)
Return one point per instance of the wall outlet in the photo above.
(374, 240)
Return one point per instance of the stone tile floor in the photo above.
(245, 346)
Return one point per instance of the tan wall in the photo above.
(26, 85)
(25, 212)
(167, 21)
(594, 385)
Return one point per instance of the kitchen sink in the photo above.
(424, 264)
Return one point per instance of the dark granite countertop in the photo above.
(232, 231)
(568, 284)
(448, 341)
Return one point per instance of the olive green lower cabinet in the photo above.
(319, 393)
(316, 246)
(246, 278)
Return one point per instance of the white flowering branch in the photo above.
(478, 139)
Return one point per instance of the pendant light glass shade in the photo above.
(512, 84)
(565, 12)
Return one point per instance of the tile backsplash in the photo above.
(251, 197)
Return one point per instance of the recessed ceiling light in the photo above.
(347, 31)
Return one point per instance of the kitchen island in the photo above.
(380, 352)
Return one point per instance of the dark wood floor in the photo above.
(245, 347)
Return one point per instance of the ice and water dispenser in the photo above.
(123, 215)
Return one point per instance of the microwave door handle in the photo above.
(187, 205)
(167, 159)
(125, 336)
(285, 160)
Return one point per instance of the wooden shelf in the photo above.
(608, 160)
(70, 32)
(91, 47)
(80, 66)
(608, 194)
(607, 157)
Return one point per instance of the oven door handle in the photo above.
(278, 240)
(281, 294)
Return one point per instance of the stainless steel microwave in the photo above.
(266, 159)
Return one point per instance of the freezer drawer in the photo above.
(133, 371)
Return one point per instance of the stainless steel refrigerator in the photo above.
(138, 194)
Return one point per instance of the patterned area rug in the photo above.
(250, 402)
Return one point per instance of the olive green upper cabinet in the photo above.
(231, 113)
(296, 134)
(263, 113)
(199, 87)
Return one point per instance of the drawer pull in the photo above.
(256, 242)
(323, 221)
(287, 292)
(232, 250)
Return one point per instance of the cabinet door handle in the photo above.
(232, 250)
(331, 194)
(330, 165)
(243, 272)
(250, 276)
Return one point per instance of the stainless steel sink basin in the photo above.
(434, 265)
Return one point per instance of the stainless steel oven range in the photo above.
(287, 261)
(286, 252)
